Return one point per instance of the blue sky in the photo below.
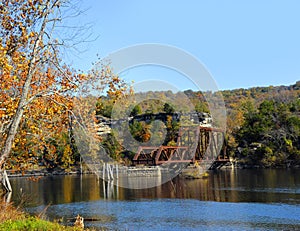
(242, 43)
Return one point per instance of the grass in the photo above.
(9, 212)
(12, 218)
(33, 223)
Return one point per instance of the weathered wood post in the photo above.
(117, 171)
(6, 187)
(111, 167)
(103, 172)
(108, 173)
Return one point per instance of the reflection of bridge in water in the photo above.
(199, 143)
(211, 188)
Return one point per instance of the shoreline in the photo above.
(77, 171)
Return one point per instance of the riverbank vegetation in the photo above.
(13, 218)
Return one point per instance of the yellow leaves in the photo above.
(31, 34)
(33, 128)
(50, 111)
(4, 61)
(3, 50)
(15, 78)
(7, 67)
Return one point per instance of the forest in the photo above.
(37, 101)
(263, 123)
(263, 128)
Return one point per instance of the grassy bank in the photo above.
(12, 218)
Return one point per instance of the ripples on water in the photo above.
(227, 200)
(179, 214)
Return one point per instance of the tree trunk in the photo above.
(23, 98)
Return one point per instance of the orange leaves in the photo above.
(34, 178)
(17, 28)
(41, 129)
(4, 61)
(36, 90)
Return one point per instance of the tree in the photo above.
(30, 75)
(270, 134)
(168, 108)
(22, 58)
(137, 110)
(36, 88)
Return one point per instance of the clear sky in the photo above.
(241, 43)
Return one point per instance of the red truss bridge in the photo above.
(194, 144)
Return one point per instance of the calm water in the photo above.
(226, 200)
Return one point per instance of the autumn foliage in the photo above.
(36, 88)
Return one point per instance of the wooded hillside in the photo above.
(263, 123)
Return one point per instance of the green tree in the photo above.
(271, 134)
(168, 108)
(137, 110)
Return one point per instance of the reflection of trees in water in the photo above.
(66, 189)
(222, 186)
(257, 185)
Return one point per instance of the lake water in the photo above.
(255, 199)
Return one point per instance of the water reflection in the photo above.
(279, 185)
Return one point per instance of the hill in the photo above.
(263, 123)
